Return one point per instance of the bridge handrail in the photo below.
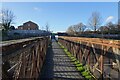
(98, 54)
(27, 60)
(104, 42)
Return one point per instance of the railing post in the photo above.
(102, 63)
(101, 49)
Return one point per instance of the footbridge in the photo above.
(68, 58)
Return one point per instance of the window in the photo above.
(28, 24)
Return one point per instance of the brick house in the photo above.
(28, 26)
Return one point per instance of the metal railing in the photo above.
(24, 60)
(100, 55)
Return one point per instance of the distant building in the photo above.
(28, 26)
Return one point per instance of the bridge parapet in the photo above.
(101, 55)
(23, 58)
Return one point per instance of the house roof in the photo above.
(29, 22)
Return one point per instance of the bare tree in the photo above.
(76, 29)
(103, 28)
(47, 27)
(95, 20)
(118, 21)
(70, 30)
(81, 27)
(110, 25)
(7, 18)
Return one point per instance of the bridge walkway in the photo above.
(58, 66)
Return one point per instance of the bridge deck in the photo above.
(58, 65)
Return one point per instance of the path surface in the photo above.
(58, 65)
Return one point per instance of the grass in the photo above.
(85, 73)
(88, 77)
(79, 65)
(82, 69)
(65, 50)
(76, 62)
